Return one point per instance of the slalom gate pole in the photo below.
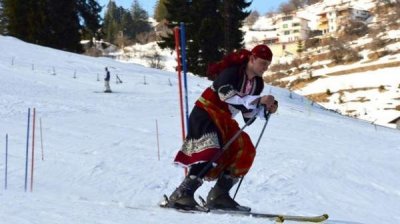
(179, 69)
(33, 146)
(27, 149)
(227, 144)
(183, 54)
(158, 142)
(6, 170)
(41, 138)
(258, 141)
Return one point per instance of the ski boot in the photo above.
(219, 198)
(183, 196)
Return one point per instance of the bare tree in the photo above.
(155, 60)
(146, 37)
(252, 18)
(341, 53)
(353, 30)
(298, 3)
(287, 8)
(292, 5)
(311, 2)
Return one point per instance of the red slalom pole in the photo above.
(177, 44)
(33, 146)
(179, 69)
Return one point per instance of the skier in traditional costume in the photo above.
(237, 88)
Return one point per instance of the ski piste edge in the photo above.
(278, 218)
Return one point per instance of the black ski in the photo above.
(278, 218)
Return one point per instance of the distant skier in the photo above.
(237, 88)
(107, 81)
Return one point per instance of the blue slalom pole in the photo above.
(5, 176)
(27, 149)
(183, 56)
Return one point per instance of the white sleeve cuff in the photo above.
(246, 101)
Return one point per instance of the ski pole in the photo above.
(267, 115)
(227, 144)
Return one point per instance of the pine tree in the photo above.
(15, 12)
(160, 10)
(212, 29)
(51, 23)
(64, 25)
(127, 25)
(206, 43)
(26, 21)
(140, 19)
(90, 10)
(299, 46)
(178, 11)
(121, 24)
(234, 15)
(110, 25)
(38, 23)
(3, 21)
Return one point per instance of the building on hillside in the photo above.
(397, 122)
(331, 19)
(264, 30)
(283, 49)
(282, 33)
(291, 28)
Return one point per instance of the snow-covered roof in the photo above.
(264, 23)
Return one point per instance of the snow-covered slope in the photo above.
(101, 160)
(369, 95)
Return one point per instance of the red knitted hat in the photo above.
(262, 51)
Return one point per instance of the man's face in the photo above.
(260, 65)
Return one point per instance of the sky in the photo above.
(262, 6)
(107, 158)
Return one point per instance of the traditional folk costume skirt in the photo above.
(211, 126)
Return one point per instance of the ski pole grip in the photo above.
(266, 110)
(266, 114)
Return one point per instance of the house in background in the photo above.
(291, 28)
(333, 17)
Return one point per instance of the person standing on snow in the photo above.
(107, 81)
(237, 88)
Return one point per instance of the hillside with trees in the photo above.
(124, 27)
(329, 68)
(52, 23)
